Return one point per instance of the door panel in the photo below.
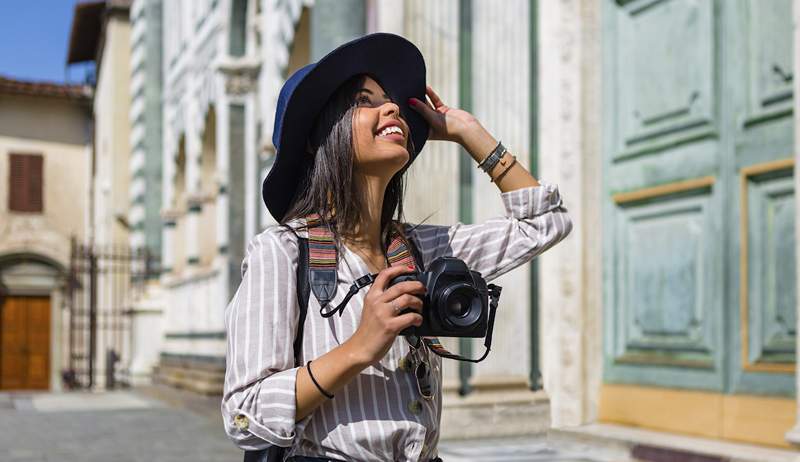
(38, 342)
(13, 326)
(667, 73)
(25, 343)
(763, 334)
(769, 59)
(663, 260)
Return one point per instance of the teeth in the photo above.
(391, 129)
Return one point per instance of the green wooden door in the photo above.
(699, 264)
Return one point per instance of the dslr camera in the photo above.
(456, 303)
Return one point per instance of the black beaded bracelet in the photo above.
(321, 390)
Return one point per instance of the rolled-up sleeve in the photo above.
(258, 402)
(535, 220)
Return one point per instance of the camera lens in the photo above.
(459, 306)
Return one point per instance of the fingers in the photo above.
(434, 97)
(401, 288)
(387, 274)
(403, 321)
(423, 107)
(407, 301)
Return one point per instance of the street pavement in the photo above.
(161, 424)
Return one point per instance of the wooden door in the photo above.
(699, 221)
(25, 343)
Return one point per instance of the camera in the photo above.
(456, 303)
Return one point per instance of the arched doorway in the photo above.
(28, 286)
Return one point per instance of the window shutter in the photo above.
(35, 184)
(18, 192)
(26, 183)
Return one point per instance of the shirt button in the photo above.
(404, 364)
(414, 406)
(241, 422)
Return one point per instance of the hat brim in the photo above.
(393, 60)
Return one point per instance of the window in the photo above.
(25, 182)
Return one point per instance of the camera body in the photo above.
(456, 302)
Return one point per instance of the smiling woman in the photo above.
(362, 116)
(348, 163)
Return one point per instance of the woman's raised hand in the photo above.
(447, 123)
(380, 317)
(451, 124)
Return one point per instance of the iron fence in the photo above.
(104, 282)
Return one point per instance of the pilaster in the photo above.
(169, 220)
(570, 276)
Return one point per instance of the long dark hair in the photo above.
(328, 185)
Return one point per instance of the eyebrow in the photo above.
(371, 92)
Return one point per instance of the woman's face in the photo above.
(380, 135)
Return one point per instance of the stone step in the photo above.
(654, 446)
(198, 380)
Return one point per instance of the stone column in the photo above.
(194, 202)
(222, 174)
(793, 435)
(334, 22)
(501, 41)
(386, 16)
(169, 220)
(570, 274)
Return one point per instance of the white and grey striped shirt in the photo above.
(378, 416)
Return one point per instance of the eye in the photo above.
(363, 99)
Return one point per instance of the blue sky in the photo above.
(34, 35)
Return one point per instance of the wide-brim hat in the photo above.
(397, 65)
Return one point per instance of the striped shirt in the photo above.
(379, 415)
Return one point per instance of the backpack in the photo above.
(278, 453)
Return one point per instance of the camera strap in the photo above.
(438, 349)
(359, 284)
(323, 262)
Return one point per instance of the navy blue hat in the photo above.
(394, 61)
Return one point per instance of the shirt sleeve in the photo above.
(535, 220)
(258, 402)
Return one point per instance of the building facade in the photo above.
(106, 270)
(45, 164)
(209, 159)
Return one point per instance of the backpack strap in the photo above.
(303, 292)
(322, 260)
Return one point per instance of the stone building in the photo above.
(210, 174)
(45, 165)
(104, 266)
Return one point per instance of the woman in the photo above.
(346, 130)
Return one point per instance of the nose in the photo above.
(390, 108)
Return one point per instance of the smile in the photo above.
(392, 132)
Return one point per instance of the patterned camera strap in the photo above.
(323, 262)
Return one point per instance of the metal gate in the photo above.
(104, 281)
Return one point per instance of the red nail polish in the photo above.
(411, 102)
(410, 266)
